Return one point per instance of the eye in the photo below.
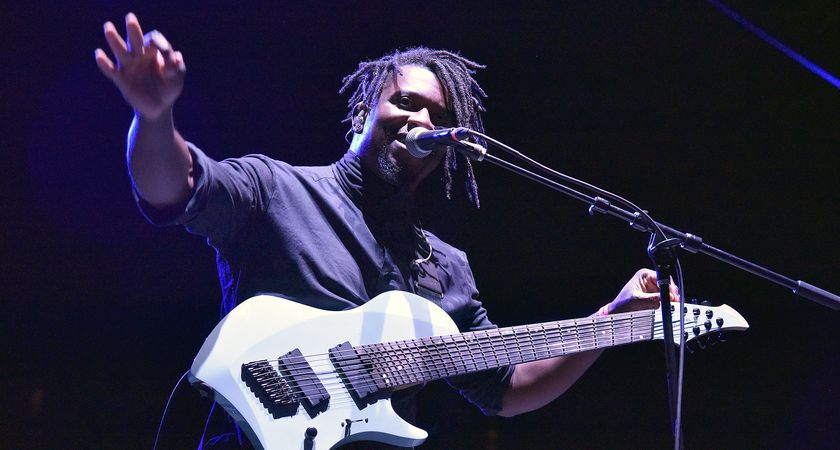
(405, 102)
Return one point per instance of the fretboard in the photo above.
(413, 361)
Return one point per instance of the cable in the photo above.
(166, 408)
(681, 360)
(573, 180)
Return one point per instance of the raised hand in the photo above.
(148, 72)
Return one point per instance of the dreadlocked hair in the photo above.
(463, 96)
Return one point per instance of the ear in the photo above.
(360, 112)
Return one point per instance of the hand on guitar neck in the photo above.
(640, 293)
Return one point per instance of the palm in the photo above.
(148, 72)
(147, 87)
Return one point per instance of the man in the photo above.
(334, 237)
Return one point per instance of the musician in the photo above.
(333, 237)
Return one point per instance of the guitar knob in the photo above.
(709, 313)
(719, 321)
(311, 432)
(696, 330)
(708, 325)
(696, 311)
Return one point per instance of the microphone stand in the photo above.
(662, 251)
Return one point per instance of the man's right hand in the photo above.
(148, 71)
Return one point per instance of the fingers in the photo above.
(105, 64)
(155, 39)
(115, 42)
(134, 34)
(172, 61)
(647, 280)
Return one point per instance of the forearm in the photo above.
(535, 384)
(159, 161)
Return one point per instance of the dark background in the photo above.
(672, 104)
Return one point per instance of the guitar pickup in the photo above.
(359, 375)
(294, 368)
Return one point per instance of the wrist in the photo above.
(162, 118)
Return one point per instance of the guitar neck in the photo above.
(413, 361)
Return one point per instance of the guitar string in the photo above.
(555, 326)
(550, 344)
(337, 400)
(435, 343)
(346, 399)
(441, 368)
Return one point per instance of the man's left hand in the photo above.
(641, 292)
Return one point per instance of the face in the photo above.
(414, 98)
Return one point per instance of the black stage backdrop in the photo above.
(672, 104)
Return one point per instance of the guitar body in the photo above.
(295, 377)
(266, 327)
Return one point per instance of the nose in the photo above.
(420, 118)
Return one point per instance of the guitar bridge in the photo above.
(281, 391)
(270, 388)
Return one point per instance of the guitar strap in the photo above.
(425, 269)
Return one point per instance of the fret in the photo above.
(601, 329)
(470, 340)
(463, 353)
(482, 345)
(570, 336)
(493, 361)
(413, 369)
(549, 337)
(435, 357)
(510, 354)
(437, 361)
(380, 363)
(525, 348)
(446, 356)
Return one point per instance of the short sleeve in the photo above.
(225, 195)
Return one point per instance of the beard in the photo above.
(390, 170)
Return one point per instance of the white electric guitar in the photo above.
(295, 377)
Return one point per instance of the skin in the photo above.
(412, 98)
(150, 75)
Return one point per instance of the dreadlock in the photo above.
(464, 96)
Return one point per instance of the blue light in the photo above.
(776, 43)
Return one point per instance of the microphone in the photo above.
(420, 142)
